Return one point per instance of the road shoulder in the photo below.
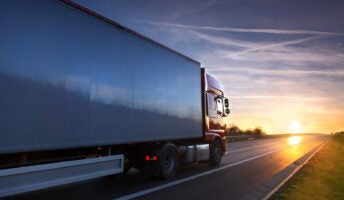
(269, 187)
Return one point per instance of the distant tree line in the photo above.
(341, 133)
(234, 130)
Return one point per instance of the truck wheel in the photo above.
(169, 163)
(215, 153)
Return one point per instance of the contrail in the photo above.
(275, 45)
(245, 30)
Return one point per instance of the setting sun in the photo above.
(295, 127)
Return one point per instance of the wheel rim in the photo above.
(168, 163)
(217, 152)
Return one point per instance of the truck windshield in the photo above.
(211, 105)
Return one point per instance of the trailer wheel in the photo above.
(215, 153)
(169, 163)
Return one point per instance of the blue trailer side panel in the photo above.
(68, 80)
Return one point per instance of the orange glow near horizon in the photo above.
(279, 116)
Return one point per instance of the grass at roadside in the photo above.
(321, 178)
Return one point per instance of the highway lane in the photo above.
(246, 166)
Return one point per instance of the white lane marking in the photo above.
(160, 187)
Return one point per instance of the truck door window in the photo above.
(211, 105)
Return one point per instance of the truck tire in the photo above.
(169, 163)
(215, 153)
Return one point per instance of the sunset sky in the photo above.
(281, 62)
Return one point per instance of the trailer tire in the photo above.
(169, 163)
(216, 153)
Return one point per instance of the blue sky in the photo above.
(281, 62)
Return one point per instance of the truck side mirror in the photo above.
(226, 107)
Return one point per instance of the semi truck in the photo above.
(83, 96)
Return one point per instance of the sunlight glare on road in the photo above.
(294, 140)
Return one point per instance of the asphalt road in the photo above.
(246, 166)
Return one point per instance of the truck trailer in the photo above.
(83, 96)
